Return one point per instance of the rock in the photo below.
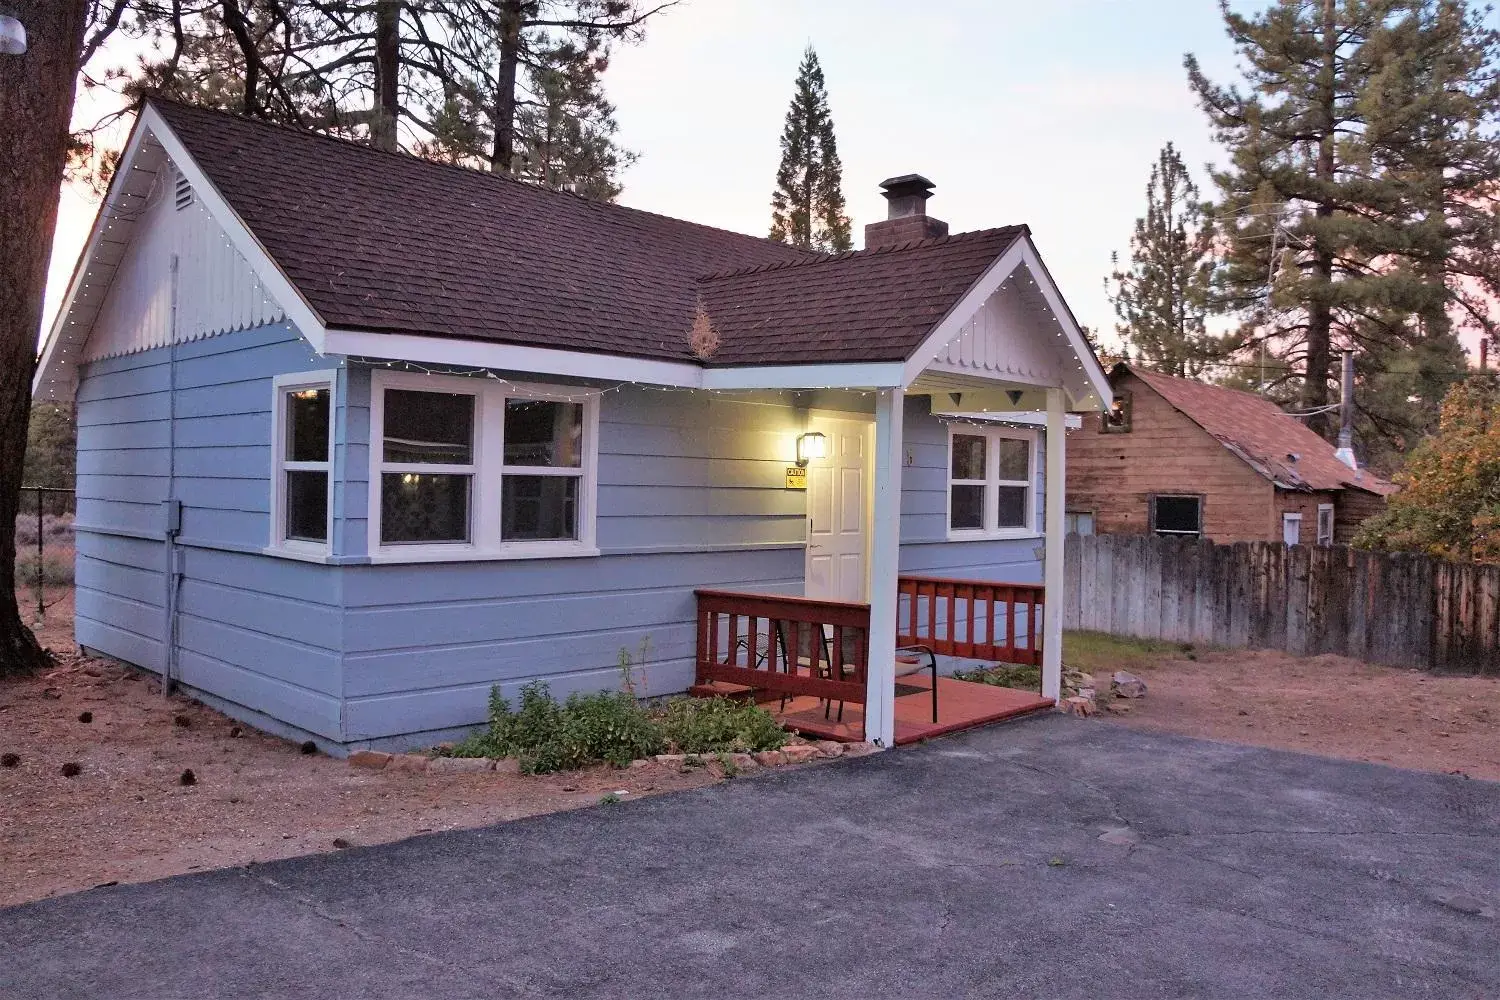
(372, 760)
(743, 761)
(830, 748)
(1081, 707)
(1088, 692)
(769, 758)
(861, 749)
(508, 765)
(445, 747)
(52, 693)
(1127, 685)
(410, 762)
(641, 762)
(461, 765)
(670, 758)
(1117, 707)
(800, 753)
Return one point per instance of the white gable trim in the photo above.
(276, 283)
(65, 340)
(1020, 254)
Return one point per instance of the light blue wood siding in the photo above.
(691, 494)
(925, 548)
(255, 631)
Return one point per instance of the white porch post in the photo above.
(885, 552)
(1053, 553)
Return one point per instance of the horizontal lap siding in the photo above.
(426, 642)
(258, 632)
(925, 548)
(691, 494)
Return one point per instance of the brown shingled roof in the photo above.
(1262, 434)
(885, 301)
(390, 243)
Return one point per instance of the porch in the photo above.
(808, 660)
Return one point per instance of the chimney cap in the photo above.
(906, 186)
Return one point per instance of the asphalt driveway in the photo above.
(970, 867)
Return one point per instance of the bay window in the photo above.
(991, 482)
(467, 468)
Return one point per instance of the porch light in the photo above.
(810, 446)
(12, 36)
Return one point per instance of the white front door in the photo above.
(1291, 529)
(838, 504)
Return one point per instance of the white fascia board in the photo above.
(51, 344)
(1030, 418)
(859, 375)
(280, 287)
(1091, 370)
(511, 357)
(604, 367)
(974, 299)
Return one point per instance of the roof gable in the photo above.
(1263, 435)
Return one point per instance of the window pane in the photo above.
(416, 507)
(1012, 500)
(968, 507)
(1176, 514)
(968, 456)
(307, 425)
(537, 507)
(307, 506)
(543, 433)
(1015, 459)
(434, 428)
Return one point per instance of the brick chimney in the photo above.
(907, 219)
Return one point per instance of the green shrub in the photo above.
(710, 725)
(545, 735)
(1009, 675)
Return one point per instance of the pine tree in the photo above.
(1162, 298)
(807, 208)
(1346, 210)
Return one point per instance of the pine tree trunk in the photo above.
(387, 110)
(36, 103)
(234, 20)
(1320, 312)
(502, 159)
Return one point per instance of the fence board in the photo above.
(1392, 608)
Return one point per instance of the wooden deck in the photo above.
(961, 705)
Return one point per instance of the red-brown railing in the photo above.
(784, 645)
(971, 618)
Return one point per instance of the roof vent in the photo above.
(183, 192)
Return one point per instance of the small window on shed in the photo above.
(1325, 524)
(1116, 419)
(1177, 515)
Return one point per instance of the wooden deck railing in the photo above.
(971, 618)
(784, 645)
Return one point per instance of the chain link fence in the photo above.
(44, 543)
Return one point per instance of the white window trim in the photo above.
(1325, 508)
(488, 470)
(1291, 518)
(991, 530)
(281, 385)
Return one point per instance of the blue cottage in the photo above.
(361, 436)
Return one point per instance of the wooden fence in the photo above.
(1392, 608)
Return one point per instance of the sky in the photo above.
(1045, 114)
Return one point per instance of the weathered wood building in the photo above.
(1181, 458)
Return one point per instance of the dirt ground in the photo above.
(1326, 705)
(126, 816)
